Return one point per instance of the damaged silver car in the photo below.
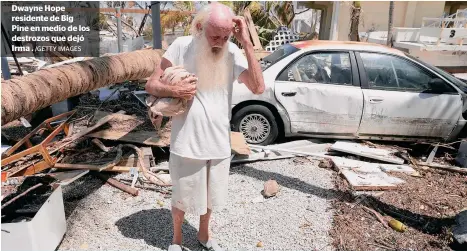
(349, 90)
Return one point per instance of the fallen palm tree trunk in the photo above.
(24, 95)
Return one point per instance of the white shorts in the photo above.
(198, 184)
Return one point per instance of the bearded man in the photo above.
(200, 139)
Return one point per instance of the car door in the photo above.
(321, 93)
(404, 99)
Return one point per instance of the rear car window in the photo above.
(278, 55)
(387, 72)
(459, 83)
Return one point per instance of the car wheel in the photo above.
(257, 123)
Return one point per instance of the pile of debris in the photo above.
(388, 197)
(116, 136)
(99, 136)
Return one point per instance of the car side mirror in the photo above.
(436, 85)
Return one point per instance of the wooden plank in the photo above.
(444, 167)
(252, 30)
(33, 132)
(30, 170)
(74, 137)
(127, 135)
(398, 169)
(370, 181)
(99, 123)
(121, 169)
(258, 157)
(140, 137)
(34, 149)
(365, 151)
(273, 148)
(367, 167)
(259, 54)
(355, 165)
(132, 159)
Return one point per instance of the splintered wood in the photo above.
(121, 126)
(365, 151)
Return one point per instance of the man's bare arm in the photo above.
(253, 76)
(156, 88)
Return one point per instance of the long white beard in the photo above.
(212, 69)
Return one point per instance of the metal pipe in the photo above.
(390, 24)
(5, 69)
(119, 29)
(156, 25)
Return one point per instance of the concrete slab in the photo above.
(365, 151)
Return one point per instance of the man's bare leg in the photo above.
(177, 217)
(203, 234)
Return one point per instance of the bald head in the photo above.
(215, 22)
(220, 16)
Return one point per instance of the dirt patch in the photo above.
(427, 205)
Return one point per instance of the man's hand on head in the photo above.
(253, 76)
(240, 30)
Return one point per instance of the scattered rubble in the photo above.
(326, 163)
(31, 194)
(117, 136)
(426, 205)
(362, 150)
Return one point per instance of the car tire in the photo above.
(256, 117)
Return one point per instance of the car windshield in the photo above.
(459, 83)
(279, 54)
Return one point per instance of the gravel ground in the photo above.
(101, 217)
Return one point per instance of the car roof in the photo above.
(345, 45)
